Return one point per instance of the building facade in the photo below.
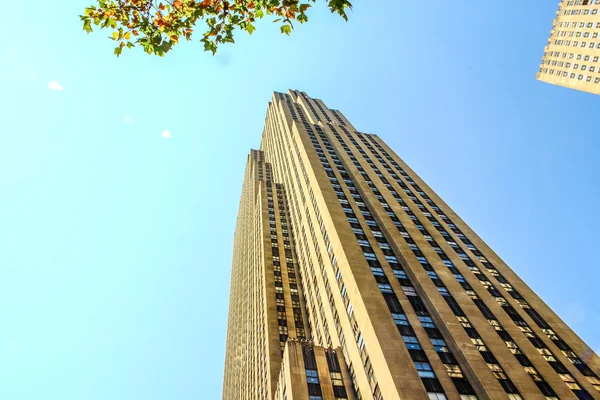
(571, 58)
(312, 372)
(341, 248)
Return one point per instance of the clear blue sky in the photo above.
(115, 243)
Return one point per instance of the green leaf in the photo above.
(118, 51)
(87, 26)
(286, 29)
(250, 28)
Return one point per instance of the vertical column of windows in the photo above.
(279, 290)
(335, 373)
(291, 273)
(312, 373)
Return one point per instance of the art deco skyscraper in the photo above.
(352, 279)
(571, 58)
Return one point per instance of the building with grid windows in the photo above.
(571, 58)
(352, 279)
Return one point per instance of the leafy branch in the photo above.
(158, 25)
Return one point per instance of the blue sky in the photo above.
(115, 243)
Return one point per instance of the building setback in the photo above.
(571, 58)
(352, 279)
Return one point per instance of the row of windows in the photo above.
(580, 24)
(581, 12)
(562, 33)
(577, 43)
(564, 64)
(582, 2)
(572, 75)
(571, 56)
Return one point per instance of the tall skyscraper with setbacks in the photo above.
(352, 279)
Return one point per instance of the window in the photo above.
(400, 274)
(336, 379)
(385, 287)
(432, 275)
(427, 322)
(314, 380)
(409, 291)
(436, 396)
(400, 319)
(425, 370)
(410, 339)
(454, 371)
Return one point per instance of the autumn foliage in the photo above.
(158, 25)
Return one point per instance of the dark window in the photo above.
(559, 367)
(463, 386)
(339, 392)
(418, 305)
(454, 306)
(447, 358)
(433, 333)
(508, 386)
(432, 385)
(314, 389)
(393, 303)
(489, 357)
(546, 389)
(418, 355)
(484, 309)
(332, 361)
(310, 361)
(523, 360)
(537, 318)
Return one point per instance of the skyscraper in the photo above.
(352, 279)
(571, 58)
